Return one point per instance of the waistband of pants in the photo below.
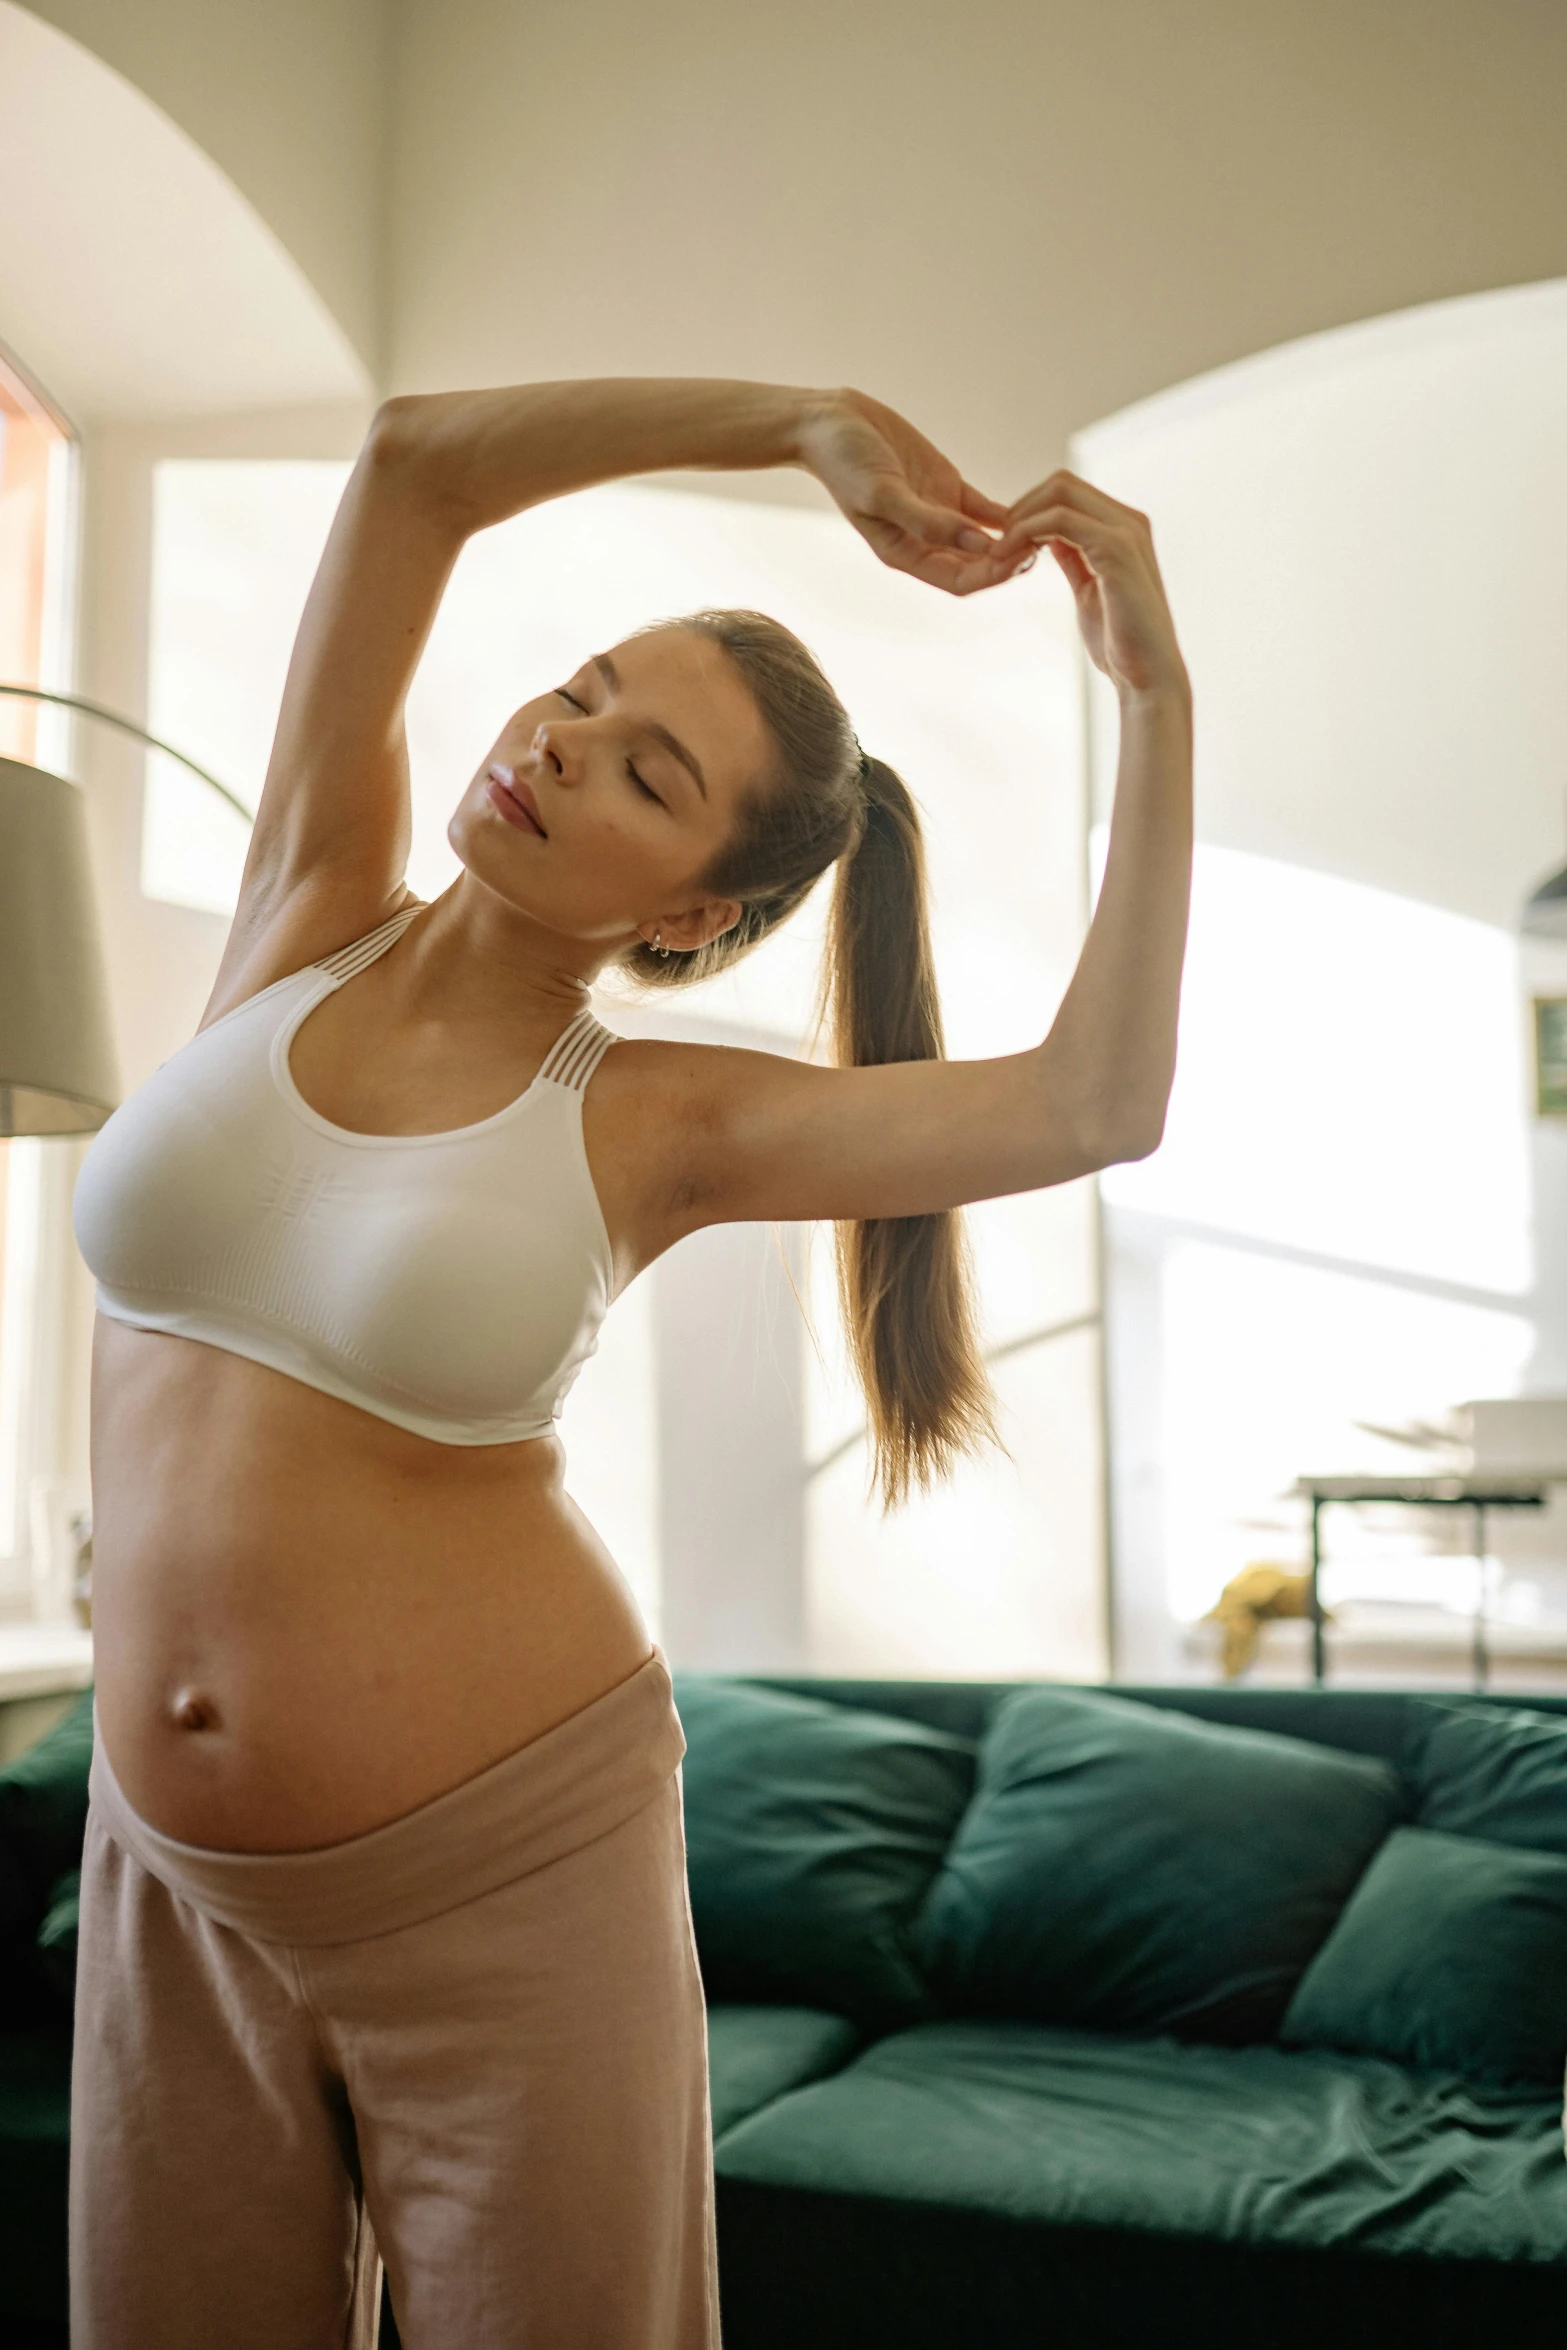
(582, 1779)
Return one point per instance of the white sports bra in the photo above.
(453, 1283)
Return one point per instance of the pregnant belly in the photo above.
(306, 1621)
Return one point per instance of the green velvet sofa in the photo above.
(1054, 2017)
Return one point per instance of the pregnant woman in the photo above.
(385, 1943)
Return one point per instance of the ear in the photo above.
(697, 927)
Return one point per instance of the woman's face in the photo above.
(604, 799)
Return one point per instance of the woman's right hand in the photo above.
(910, 504)
(1106, 552)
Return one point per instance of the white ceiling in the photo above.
(134, 279)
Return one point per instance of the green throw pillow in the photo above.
(43, 1801)
(1494, 1772)
(1451, 1957)
(1127, 1869)
(813, 1832)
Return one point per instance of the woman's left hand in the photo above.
(1106, 552)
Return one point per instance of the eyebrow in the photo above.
(660, 734)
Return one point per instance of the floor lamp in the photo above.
(57, 1063)
(57, 1067)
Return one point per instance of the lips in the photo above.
(511, 797)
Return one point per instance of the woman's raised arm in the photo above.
(331, 837)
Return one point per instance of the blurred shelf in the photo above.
(1440, 1492)
(1398, 1644)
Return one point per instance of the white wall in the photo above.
(287, 99)
(1014, 218)
(1010, 219)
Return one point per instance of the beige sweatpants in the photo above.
(472, 2042)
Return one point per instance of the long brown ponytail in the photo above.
(903, 1281)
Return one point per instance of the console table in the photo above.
(1480, 1495)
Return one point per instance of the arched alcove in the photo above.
(135, 280)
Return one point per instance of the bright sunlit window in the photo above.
(235, 544)
(1349, 1078)
(977, 704)
(1334, 1237)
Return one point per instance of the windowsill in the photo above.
(43, 1660)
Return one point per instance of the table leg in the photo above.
(1318, 1645)
(1482, 1657)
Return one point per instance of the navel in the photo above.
(192, 1711)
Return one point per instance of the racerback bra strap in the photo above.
(571, 1059)
(361, 951)
(576, 1053)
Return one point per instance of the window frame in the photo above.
(37, 1259)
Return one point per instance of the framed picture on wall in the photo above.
(1550, 1056)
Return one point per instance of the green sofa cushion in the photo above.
(813, 1832)
(755, 2053)
(1139, 1871)
(1242, 2145)
(1451, 1955)
(1498, 1773)
(18, 1902)
(35, 2129)
(43, 1801)
(57, 1937)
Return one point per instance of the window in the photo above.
(36, 453)
(234, 545)
(36, 548)
(1334, 1238)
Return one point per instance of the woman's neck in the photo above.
(468, 946)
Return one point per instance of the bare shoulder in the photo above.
(662, 1121)
(270, 941)
(674, 1082)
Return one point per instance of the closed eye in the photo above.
(645, 788)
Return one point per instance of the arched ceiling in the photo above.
(135, 280)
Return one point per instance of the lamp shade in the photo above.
(57, 1065)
